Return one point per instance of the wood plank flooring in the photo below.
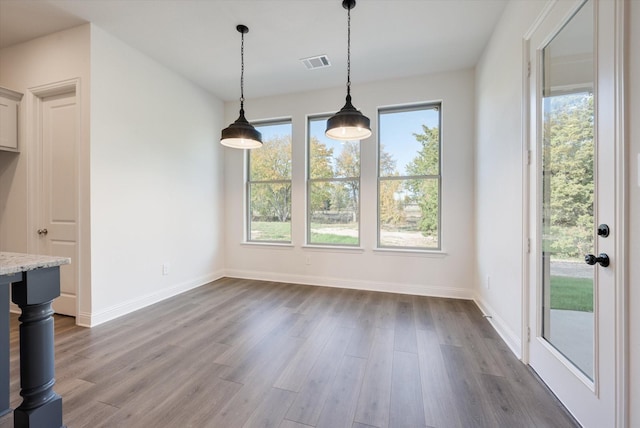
(240, 353)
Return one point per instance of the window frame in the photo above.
(310, 181)
(437, 105)
(249, 182)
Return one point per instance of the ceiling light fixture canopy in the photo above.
(348, 124)
(241, 134)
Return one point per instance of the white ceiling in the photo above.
(198, 39)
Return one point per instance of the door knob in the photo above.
(42, 232)
(602, 259)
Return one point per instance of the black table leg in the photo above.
(41, 406)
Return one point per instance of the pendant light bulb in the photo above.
(241, 134)
(349, 123)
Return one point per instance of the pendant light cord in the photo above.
(242, 73)
(349, 51)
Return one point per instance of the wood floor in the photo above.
(240, 353)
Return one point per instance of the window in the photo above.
(333, 188)
(269, 185)
(409, 177)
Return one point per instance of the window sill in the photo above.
(333, 248)
(410, 252)
(282, 245)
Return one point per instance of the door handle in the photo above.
(602, 259)
(42, 232)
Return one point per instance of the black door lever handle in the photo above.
(602, 259)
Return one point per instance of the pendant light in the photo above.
(240, 134)
(348, 124)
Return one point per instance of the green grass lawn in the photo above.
(570, 293)
(327, 238)
(281, 231)
(271, 230)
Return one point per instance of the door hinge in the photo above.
(528, 245)
(528, 157)
(528, 334)
(529, 69)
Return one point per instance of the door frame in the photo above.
(34, 103)
(618, 61)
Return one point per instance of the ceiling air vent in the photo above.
(314, 62)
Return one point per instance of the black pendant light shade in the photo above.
(241, 134)
(348, 124)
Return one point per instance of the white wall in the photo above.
(449, 274)
(499, 172)
(156, 181)
(54, 58)
(633, 282)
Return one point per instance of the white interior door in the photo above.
(58, 191)
(574, 113)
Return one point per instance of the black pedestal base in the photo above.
(47, 415)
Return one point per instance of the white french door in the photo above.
(574, 198)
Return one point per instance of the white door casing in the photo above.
(598, 400)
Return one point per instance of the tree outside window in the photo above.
(269, 185)
(409, 177)
(333, 188)
(568, 161)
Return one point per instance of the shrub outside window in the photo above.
(269, 185)
(409, 177)
(333, 188)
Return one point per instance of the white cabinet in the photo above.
(9, 101)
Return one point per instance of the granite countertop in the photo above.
(11, 263)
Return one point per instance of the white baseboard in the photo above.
(92, 319)
(95, 318)
(83, 319)
(513, 341)
(387, 287)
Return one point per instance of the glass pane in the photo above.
(568, 189)
(330, 158)
(334, 212)
(270, 211)
(272, 161)
(409, 213)
(410, 142)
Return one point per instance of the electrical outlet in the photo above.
(488, 282)
(307, 260)
(165, 268)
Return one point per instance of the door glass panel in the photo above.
(568, 190)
